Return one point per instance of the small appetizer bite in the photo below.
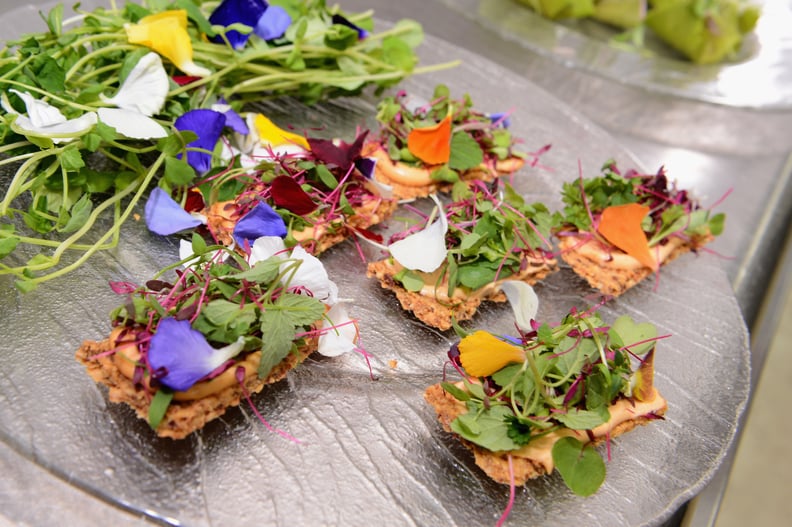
(530, 404)
(443, 268)
(181, 353)
(618, 229)
(427, 149)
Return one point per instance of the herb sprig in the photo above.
(66, 185)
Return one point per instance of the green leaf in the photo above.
(443, 173)
(7, 246)
(326, 177)
(278, 339)
(159, 405)
(478, 274)
(178, 172)
(55, 20)
(717, 223)
(50, 75)
(581, 467)
(466, 153)
(80, 212)
(398, 53)
(488, 428)
(264, 272)
(25, 286)
(626, 331)
(455, 391)
(198, 244)
(581, 419)
(301, 310)
(409, 279)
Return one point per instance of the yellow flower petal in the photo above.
(270, 133)
(482, 354)
(166, 33)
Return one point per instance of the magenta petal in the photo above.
(262, 220)
(207, 125)
(287, 193)
(164, 216)
(179, 355)
(341, 155)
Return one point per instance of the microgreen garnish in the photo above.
(446, 134)
(551, 379)
(489, 235)
(79, 69)
(671, 212)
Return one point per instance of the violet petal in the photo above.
(165, 216)
(182, 355)
(340, 19)
(247, 12)
(207, 125)
(262, 220)
(273, 23)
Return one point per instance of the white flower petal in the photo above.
(145, 88)
(193, 69)
(62, 132)
(132, 124)
(264, 248)
(221, 355)
(524, 302)
(185, 251)
(40, 113)
(340, 332)
(312, 275)
(424, 250)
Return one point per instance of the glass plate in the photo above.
(760, 76)
(372, 450)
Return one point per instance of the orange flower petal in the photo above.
(431, 144)
(621, 226)
(482, 354)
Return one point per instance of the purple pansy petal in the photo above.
(273, 23)
(164, 216)
(340, 19)
(501, 118)
(207, 125)
(246, 12)
(180, 355)
(236, 122)
(366, 166)
(262, 220)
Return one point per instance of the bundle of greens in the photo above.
(618, 229)
(483, 241)
(91, 106)
(541, 401)
(181, 352)
(420, 150)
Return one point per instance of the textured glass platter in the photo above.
(760, 76)
(371, 450)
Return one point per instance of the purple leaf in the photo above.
(287, 193)
(262, 220)
(207, 125)
(164, 216)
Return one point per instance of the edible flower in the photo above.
(145, 88)
(180, 356)
(233, 120)
(482, 354)
(309, 276)
(45, 120)
(524, 302)
(166, 33)
(426, 249)
(267, 21)
(165, 216)
(270, 134)
(262, 220)
(208, 126)
(431, 144)
(132, 124)
(339, 332)
(621, 226)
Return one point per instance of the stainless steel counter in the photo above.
(707, 147)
